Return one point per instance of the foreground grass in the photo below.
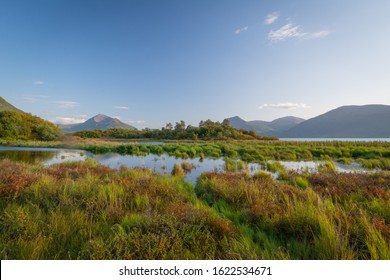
(87, 211)
(84, 210)
(320, 216)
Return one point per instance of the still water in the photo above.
(162, 164)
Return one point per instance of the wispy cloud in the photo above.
(121, 107)
(271, 18)
(34, 98)
(318, 34)
(39, 83)
(29, 99)
(290, 30)
(136, 122)
(65, 104)
(71, 119)
(238, 31)
(287, 105)
(286, 31)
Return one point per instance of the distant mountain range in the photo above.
(273, 128)
(97, 122)
(5, 106)
(367, 121)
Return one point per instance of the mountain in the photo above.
(273, 128)
(5, 106)
(97, 122)
(239, 123)
(367, 121)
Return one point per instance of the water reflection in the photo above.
(163, 164)
(312, 166)
(27, 156)
(47, 156)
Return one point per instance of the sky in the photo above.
(150, 62)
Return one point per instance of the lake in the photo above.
(162, 164)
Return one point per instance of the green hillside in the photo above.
(18, 125)
(5, 106)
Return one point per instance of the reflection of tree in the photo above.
(27, 156)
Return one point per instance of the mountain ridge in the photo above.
(268, 128)
(99, 121)
(6, 106)
(350, 121)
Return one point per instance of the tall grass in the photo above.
(83, 210)
(86, 211)
(333, 216)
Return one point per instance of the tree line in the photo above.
(207, 130)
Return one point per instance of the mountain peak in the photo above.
(100, 118)
(99, 121)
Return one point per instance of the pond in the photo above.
(162, 164)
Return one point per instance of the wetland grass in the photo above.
(83, 210)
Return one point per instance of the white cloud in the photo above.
(318, 34)
(39, 83)
(290, 30)
(71, 119)
(136, 122)
(121, 107)
(65, 104)
(286, 31)
(271, 18)
(238, 31)
(287, 105)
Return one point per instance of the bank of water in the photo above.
(162, 164)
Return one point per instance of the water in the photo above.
(162, 164)
(312, 166)
(46, 155)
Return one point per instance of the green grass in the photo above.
(326, 216)
(370, 154)
(83, 210)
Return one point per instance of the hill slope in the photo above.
(97, 122)
(5, 106)
(368, 121)
(18, 125)
(273, 128)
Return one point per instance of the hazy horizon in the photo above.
(153, 62)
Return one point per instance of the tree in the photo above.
(169, 126)
(226, 123)
(180, 126)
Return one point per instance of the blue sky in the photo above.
(152, 62)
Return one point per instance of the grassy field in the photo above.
(83, 210)
(372, 155)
